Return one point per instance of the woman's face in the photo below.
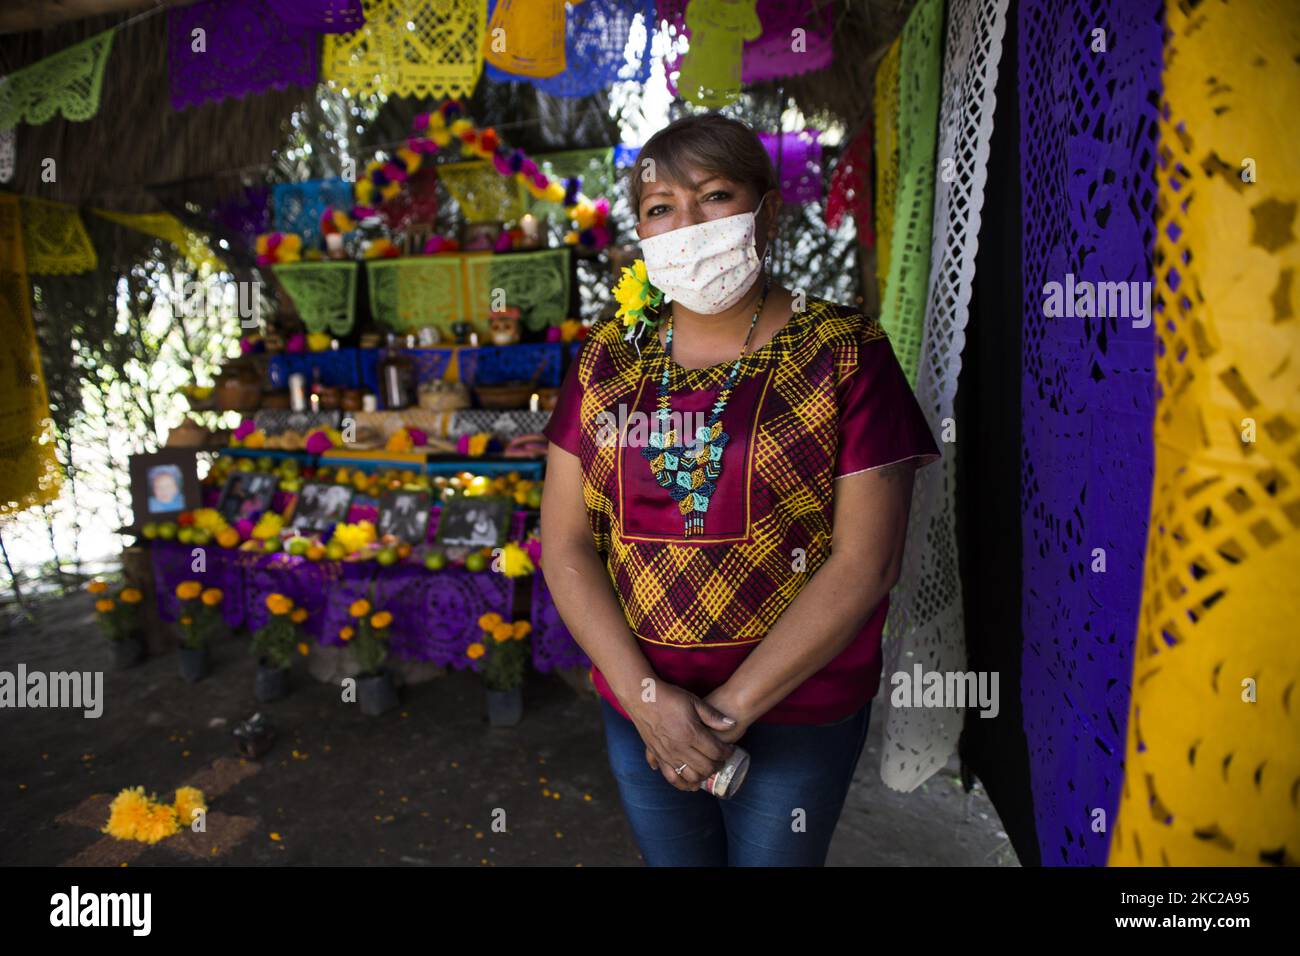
(667, 205)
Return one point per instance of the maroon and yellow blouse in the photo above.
(825, 398)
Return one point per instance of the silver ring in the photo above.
(680, 769)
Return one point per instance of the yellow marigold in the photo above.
(212, 597)
(188, 590)
(188, 799)
(522, 630)
(399, 440)
(381, 620)
(299, 615)
(268, 526)
(346, 634)
(475, 651)
(187, 620)
(359, 608)
(131, 596)
(133, 816)
(279, 604)
(503, 632)
(489, 620)
(303, 649)
(515, 562)
(478, 444)
(97, 587)
(104, 605)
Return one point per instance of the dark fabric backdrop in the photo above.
(988, 476)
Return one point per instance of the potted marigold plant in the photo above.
(369, 642)
(501, 657)
(200, 621)
(274, 644)
(119, 617)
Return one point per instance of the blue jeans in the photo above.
(783, 815)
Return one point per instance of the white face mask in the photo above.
(706, 267)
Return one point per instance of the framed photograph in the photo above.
(320, 506)
(479, 236)
(247, 494)
(405, 514)
(163, 484)
(478, 521)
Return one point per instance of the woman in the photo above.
(724, 514)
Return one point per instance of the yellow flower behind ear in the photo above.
(187, 590)
(475, 651)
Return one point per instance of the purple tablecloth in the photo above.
(435, 613)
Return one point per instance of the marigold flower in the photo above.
(489, 620)
(381, 620)
(104, 605)
(475, 651)
(303, 649)
(212, 597)
(188, 590)
(278, 604)
(359, 608)
(97, 587)
(346, 634)
(133, 816)
(522, 630)
(503, 632)
(187, 620)
(131, 596)
(188, 799)
(299, 615)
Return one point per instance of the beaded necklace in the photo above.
(690, 475)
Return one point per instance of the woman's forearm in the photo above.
(584, 596)
(822, 620)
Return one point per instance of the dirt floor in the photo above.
(416, 786)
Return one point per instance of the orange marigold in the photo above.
(475, 651)
(299, 615)
(381, 620)
(131, 596)
(359, 608)
(104, 605)
(279, 604)
(188, 590)
(346, 634)
(212, 597)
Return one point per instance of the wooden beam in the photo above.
(19, 16)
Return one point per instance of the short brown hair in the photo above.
(709, 142)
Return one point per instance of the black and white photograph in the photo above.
(405, 514)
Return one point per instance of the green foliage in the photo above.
(275, 640)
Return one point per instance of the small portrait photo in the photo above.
(166, 489)
(478, 521)
(405, 514)
(163, 484)
(321, 505)
(246, 495)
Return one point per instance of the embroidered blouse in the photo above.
(823, 399)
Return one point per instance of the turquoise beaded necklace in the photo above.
(690, 475)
